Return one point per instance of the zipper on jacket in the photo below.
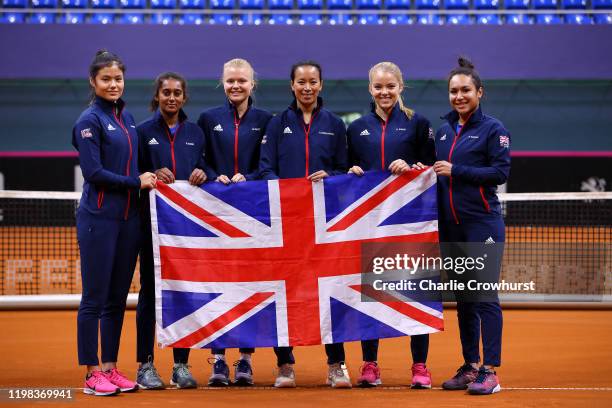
(484, 200)
(172, 138)
(382, 145)
(100, 197)
(450, 154)
(127, 167)
(307, 133)
(236, 130)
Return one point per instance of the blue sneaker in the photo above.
(220, 374)
(243, 375)
(486, 383)
(181, 377)
(147, 377)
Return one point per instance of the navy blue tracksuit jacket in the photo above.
(291, 148)
(373, 144)
(480, 155)
(106, 139)
(181, 153)
(232, 143)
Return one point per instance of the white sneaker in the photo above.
(338, 376)
(286, 377)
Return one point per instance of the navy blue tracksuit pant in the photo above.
(419, 348)
(108, 249)
(145, 309)
(335, 354)
(478, 317)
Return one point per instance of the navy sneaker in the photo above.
(181, 377)
(220, 374)
(243, 374)
(147, 377)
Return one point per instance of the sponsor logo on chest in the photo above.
(153, 142)
(218, 128)
(287, 130)
(364, 132)
(110, 127)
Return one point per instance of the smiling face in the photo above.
(463, 95)
(306, 85)
(385, 89)
(238, 83)
(108, 83)
(170, 96)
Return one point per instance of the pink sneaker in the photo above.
(96, 383)
(421, 377)
(370, 375)
(118, 379)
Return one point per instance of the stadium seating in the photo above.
(311, 12)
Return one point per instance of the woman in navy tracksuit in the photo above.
(107, 222)
(306, 140)
(473, 153)
(172, 148)
(391, 137)
(233, 136)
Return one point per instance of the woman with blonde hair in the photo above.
(391, 137)
(233, 133)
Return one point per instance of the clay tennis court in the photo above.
(551, 358)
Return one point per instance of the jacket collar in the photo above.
(453, 117)
(394, 111)
(157, 116)
(109, 107)
(295, 108)
(231, 106)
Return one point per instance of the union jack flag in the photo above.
(277, 263)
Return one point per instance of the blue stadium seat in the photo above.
(516, 4)
(399, 19)
(427, 4)
(488, 19)
(44, 3)
(430, 19)
(369, 19)
(339, 4)
(221, 19)
(548, 19)
(162, 18)
(133, 4)
(250, 19)
(310, 19)
(251, 4)
(131, 18)
(15, 3)
(163, 4)
(456, 4)
(544, 4)
(516, 19)
(578, 19)
(340, 19)
(41, 18)
(397, 4)
(71, 18)
(191, 19)
(192, 4)
(74, 3)
(280, 19)
(574, 4)
(222, 4)
(280, 4)
(103, 4)
(601, 4)
(486, 4)
(602, 18)
(458, 19)
(104, 18)
(310, 4)
(13, 18)
(368, 4)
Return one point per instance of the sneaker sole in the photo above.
(419, 386)
(183, 388)
(218, 383)
(89, 391)
(339, 384)
(157, 387)
(449, 388)
(495, 389)
(243, 382)
(131, 389)
(284, 384)
(367, 384)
